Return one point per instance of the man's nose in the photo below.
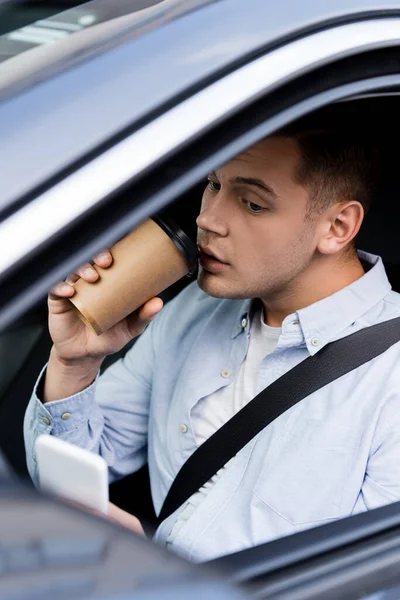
(213, 217)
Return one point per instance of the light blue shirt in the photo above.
(334, 454)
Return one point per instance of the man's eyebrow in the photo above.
(256, 182)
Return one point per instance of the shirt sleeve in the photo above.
(381, 483)
(110, 417)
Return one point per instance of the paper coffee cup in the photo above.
(145, 262)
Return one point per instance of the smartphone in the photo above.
(72, 473)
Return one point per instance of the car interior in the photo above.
(25, 344)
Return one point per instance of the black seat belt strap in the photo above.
(331, 362)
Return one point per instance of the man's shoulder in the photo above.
(391, 305)
(388, 309)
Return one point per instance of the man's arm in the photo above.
(109, 417)
(64, 402)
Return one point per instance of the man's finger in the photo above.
(88, 273)
(142, 317)
(149, 310)
(125, 519)
(61, 290)
(104, 259)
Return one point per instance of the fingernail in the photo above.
(66, 287)
(103, 256)
(89, 272)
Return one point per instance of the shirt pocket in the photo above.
(303, 480)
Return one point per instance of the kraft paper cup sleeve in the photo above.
(145, 262)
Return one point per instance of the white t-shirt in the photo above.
(213, 411)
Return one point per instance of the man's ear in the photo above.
(339, 224)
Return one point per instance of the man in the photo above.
(279, 278)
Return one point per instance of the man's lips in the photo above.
(210, 262)
(211, 254)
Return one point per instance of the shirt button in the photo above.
(315, 341)
(183, 428)
(244, 322)
(65, 416)
(46, 420)
(34, 458)
(225, 373)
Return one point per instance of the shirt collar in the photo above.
(324, 320)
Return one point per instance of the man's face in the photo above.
(253, 220)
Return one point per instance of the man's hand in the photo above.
(114, 514)
(73, 341)
(77, 352)
(124, 518)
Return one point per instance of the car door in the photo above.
(53, 551)
(353, 60)
(357, 557)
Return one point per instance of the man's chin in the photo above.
(210, 284)
(216, 286)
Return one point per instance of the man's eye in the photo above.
(214, 186)
(253, 208)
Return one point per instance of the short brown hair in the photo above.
(339, 160)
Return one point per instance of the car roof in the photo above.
(38, 41)
(137, 74)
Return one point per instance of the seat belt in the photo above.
(331, 362)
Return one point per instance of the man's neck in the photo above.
(317, 283)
